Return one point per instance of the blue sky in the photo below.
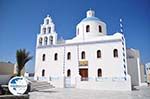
(20, 22)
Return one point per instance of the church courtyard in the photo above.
(73, 93)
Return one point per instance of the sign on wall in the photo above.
(83, 63)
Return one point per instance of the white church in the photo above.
(90, 60)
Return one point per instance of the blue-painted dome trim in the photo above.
(90, 19)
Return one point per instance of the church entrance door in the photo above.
(84, 74)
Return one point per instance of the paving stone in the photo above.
(73, 93)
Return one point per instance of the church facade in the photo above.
(91, 60)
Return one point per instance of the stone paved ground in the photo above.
(72, 93)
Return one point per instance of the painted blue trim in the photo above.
(90, 19)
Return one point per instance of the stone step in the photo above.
(39, 88)
(40, 85)
(34, 84)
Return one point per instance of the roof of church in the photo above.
(90, 19)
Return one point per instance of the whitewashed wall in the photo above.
(134, 71)
(114, 84)
(111, 67)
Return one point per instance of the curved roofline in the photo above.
(90, 19)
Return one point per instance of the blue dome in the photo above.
(90, 19)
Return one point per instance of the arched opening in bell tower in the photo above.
(51, 40)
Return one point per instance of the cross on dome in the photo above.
(90, 13)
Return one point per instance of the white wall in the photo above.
(142, 70)
(114, 84)
(111, 67)
(134, 71)
(94, 32)
(135, 68)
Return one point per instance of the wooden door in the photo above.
(84, 74)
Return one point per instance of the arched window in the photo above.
(99, 72)
(115, 52)
(47, 21)
(55, 56)
(49, 29)
(40, 41)
(44, 30)
(88, 28)
(45, 40)
(100, 28)
(68, 56)
(43, 57)
(43, 72)
(83, 55)
(99, 54)
(51, 40)
(68, 73)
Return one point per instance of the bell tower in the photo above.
(48, 35)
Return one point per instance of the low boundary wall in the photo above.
(105, 84)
